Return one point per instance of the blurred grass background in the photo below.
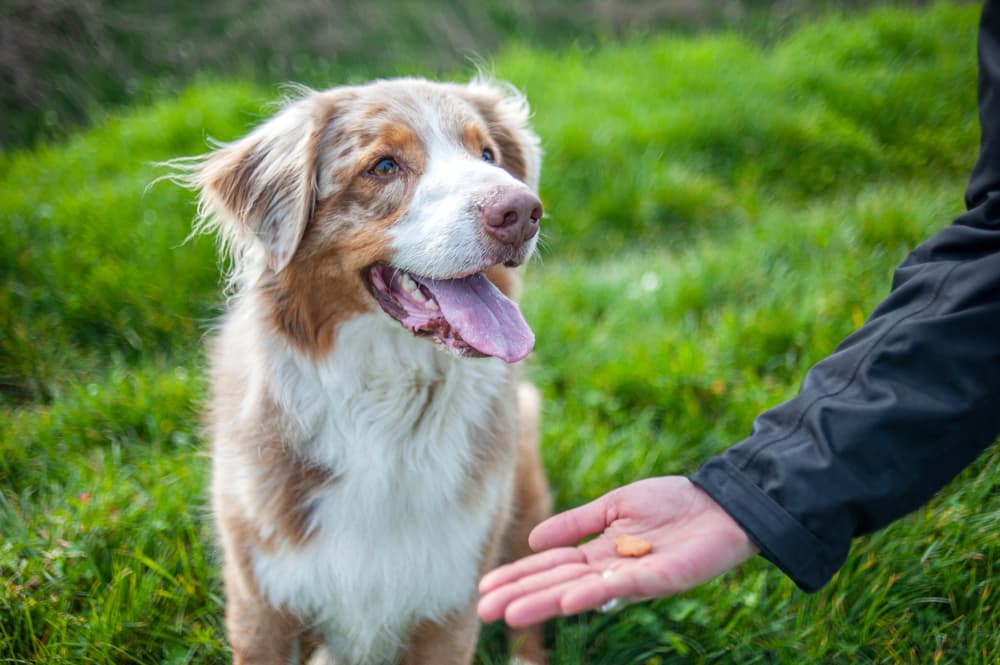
(63, 62)
(728, 186)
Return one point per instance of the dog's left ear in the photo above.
(261, 189)
(507, 113)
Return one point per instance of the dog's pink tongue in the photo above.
(486, 319)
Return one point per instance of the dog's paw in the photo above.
(321, 657)
(517, 660)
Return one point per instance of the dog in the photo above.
(373, 449)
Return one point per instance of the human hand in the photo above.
(693, 539)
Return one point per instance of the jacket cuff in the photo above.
(803, 557)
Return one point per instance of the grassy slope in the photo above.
(719, 217)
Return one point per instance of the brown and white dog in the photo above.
(362, 479)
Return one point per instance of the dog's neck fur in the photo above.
(402, 426)
(382, 381)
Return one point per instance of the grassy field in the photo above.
(719, 215)
(67, 62)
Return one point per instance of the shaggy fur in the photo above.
(363, 476)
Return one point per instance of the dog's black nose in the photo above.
(511, 215)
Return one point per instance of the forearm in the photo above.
(884, 422)
(902, 405)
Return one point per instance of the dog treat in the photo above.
(627, 545)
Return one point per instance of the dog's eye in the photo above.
(488, 156)
(386, 166)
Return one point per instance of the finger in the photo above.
(622, 582)
(544, 604)
(493, 605)
(570, 527)
(575, 595)
(530, 565)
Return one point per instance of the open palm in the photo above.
(693, 539)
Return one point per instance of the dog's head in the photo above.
(401, 195)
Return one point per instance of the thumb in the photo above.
(570, 527)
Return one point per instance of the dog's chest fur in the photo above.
(398, 534)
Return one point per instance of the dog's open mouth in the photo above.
(468, 315)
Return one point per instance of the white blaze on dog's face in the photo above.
(397, 195)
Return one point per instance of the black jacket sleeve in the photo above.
(901, 406)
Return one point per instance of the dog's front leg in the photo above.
(452, 642)
(532, 504)
(258, 633)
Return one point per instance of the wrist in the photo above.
(735, 536)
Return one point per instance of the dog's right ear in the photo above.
(260, 190)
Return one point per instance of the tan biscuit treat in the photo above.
(627, 545)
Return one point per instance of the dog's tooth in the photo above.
(431, 304)
(418, 295)
(408, 284)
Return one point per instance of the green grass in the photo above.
(718, 216)
(72, 62)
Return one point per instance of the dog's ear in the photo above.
(506, 113)
(261, 189)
